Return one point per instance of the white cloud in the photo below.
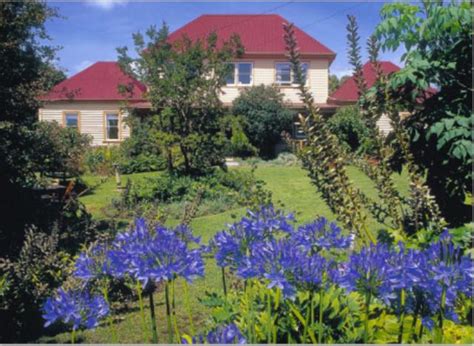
(105, 4)
(82, 65)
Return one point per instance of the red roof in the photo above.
(99, 81)
(259, 34)
(347, 92)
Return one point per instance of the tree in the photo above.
(184, 80)
(438, 43)
(335, 82)
(266, 116)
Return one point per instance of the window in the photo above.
(71, 120)
(112, 126)
(230, 78)
(298, 132)
(241, 74)
(285, 75)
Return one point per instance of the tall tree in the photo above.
(438, 42)
(184, 79)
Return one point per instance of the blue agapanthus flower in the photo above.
(75, 308)
(447, 273)
(365, 271)
(92, 264)
(320, 234)
(228, 334)
(232, 246)
(156, 256)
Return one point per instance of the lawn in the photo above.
(290, 186)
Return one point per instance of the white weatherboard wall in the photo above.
(264, 73)
(91, 117)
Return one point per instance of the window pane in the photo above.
(245, 73)
(112, 126)
(304, 69)
(283, 73)
(230, 78)
(71, 120)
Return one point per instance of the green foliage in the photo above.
(437, 38)
(335, 82)
(265, 115)
(238, 143)
(102, 161)
(61, 150)
(350, 129)
(218, 191)
(184, 80)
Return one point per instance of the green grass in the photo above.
(289, 185)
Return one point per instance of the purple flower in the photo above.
(76, 308)
(155, 256)
(232, 246)
(92, 264)
(365, 271)
(320, 235)
(228, 334)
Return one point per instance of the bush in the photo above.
(238, 144)
(350, 129)
(265, 115)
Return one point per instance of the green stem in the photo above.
(173, 305)
(168, 313)
(142, 309)
(188, 307)
(402, 316)
(73, 336)
(309, 313)
(153, 320)
(270, 320)
(420, 333)
(224, 285)
(439, 333)
(112, 328)
(368, 296)
(250, 312)
(320, 334)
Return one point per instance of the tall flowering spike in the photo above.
(320, 234)
(75, 308)
(228, 334)
(159, 256)
(232, 246)
(365, 271)
(92, 264)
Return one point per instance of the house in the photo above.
(347, 93)
(90, 100)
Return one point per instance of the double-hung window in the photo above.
(240, 74)
(112, 132)
(285, 75)
(71, 120)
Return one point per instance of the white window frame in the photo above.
(106, 126)
(292, 81)
(236, 74)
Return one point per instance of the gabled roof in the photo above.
(259, 34)
(98, 82)
(347, 92)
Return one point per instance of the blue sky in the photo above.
(90, 31)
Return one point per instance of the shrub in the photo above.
(238, 144)
(265, 115)
(347, 124)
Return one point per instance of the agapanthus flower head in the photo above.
(232, 245)
(75, 308)
(185, 233)
(155, 256)
(92, 264)
(228, 334)
(320, 234)
(366, 270)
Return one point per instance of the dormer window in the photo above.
(240, 74)
(285, 75)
